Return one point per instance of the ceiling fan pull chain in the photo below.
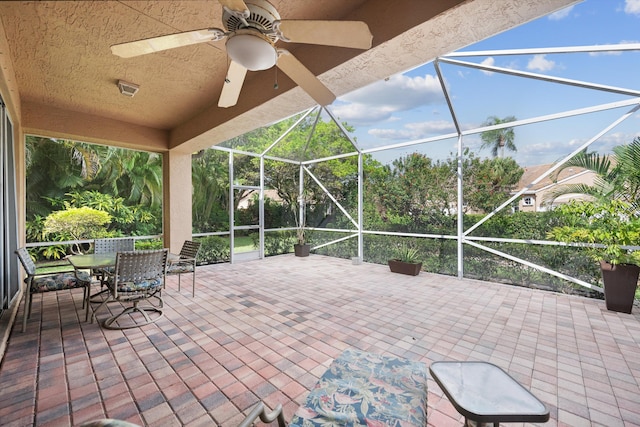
(275, 85)
(226, 78)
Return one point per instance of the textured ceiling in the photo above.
(56, 56)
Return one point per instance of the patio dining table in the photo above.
(104, 260)
(93, 261)
(100, 262)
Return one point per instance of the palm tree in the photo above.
(133, 175)
(209, 176)
(618, 175)
(52, 169)
(498, 139)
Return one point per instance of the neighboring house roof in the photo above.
(571, 175)
(532, 173)
(271, 194)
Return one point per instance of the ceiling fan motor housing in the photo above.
(262, 15)
(251, 42)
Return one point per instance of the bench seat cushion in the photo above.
(366, 389)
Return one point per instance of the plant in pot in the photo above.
(405, 261)
(610, 228)
(301, 248)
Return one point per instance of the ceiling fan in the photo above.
(252, 29)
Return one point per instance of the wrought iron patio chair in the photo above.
(40, 283)
(138, 278)
(186, 263)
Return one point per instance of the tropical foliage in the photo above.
(63, 176)
(76, 224)
(406, 253)
(613, 224)
(618, 175)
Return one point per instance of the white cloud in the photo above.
(413, 131)
(632, 7)
(561, 14)
(489, 61)
(540, 63)
(379, 101)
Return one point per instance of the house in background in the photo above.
(534, 200)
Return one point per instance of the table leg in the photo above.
(471, 423)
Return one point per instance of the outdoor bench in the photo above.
(360, 388)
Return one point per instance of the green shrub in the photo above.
(278, 242)
(149, 244)
(213, 249)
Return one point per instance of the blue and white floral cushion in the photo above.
(139, 285)
(180, 267)
(366, 389)
(59, 281)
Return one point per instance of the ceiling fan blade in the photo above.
(355, 34)
(232, 85)
(304, 78)
(157, 44)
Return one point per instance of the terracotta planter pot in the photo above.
(410, 268)
(620, 283)
(301, 250)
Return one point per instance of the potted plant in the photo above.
(405, 261)
(301, 248)
(608, 227)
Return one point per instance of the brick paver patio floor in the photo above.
(266, 330)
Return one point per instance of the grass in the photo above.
(59, 266)
(243, 244)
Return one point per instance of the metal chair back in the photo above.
(135, 266)
(186, 264)
(26, 261)
(190, 249)
(101, 246)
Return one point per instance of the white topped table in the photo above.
(484, 394)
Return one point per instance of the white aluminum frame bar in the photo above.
(333, 199)
(288, 131)
(261, 211)
(231, 209)
(535, 266)
(342, 129)
(543, 77)
(341, 239)
(325, 159)
(548, 50)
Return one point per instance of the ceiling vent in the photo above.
(127, 89)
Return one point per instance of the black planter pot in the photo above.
(301, 250)
(410, 268)
(620, 283)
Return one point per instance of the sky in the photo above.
(411, 106)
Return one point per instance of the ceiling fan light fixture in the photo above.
(252, 50)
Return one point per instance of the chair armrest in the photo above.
(181, 260)
(259, 410)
